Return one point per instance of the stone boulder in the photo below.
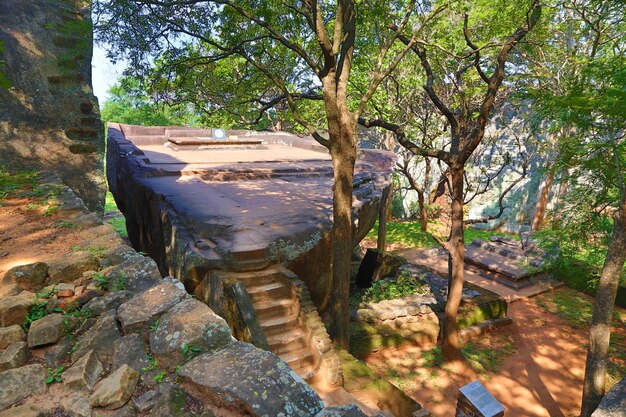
(14, 356)
(11, 334)
(76, 405)
(71, 266)
(100, 338)
(58, 353)
(115, 390)
(97, 306)
(46, 330)
(17, 384)
(135, 274)
(264, 386)
(187, 329)
(130, 350)
(14, 308)
(139, 313)
(614, 402)
(30, 277)
(84, 373)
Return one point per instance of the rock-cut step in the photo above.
(268, 292)
(285, 342)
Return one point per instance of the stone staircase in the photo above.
(279, 313)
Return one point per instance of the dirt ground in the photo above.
(541, 376)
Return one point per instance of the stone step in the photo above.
(287, 341)
(267, 292)
(280, 325)
(274, 308)
(298, 359)
(505, 280)
(265, 276)
(308, 373)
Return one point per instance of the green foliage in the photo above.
(37, 311)
(4, 78)
(54, 375)
(190, 352)
(101, 281)
(118, 222)
(390, 288)
(433, 358)
(10, 182)
(154, 364)
(160, 376)
(487, 360)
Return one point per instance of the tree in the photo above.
(464, 94)
(318, 41)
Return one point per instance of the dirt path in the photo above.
(542, 377)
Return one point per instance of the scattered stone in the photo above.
(119, 254)
(191, 324)
(88, 295)
(112, 300)
(115, 390)
(11, 334)
(71, 266)
(171, 402)
(77, 405)
(86, 325)
(136, 274)
(99, 338)
(24, 411)
(59, 353)
(146, 401)
(30, 277)
(53, 305)
(79, 290)
(14, 356)
(65, 290)
(264, 384)
(17, 384)
(85, 372)
(130, 350)
(14, 308)
(346, 411)
(139, 313)
(48, 329)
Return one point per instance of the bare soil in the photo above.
(541, 376)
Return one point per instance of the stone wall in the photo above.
(49, 117)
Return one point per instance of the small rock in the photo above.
(48, 329)
(19, 383)
(30, 277)
(79, 290)
(88, 295)
(99, 338)
(130, 350)
(65, 290)
(171, 402)
(24, 411)
(119, 254)
(190, 323)
(258, 371)
(146, 401)
(10, 335)
(113, 300)
(86, 325)
(115, 390)
(53, 305)
(59, 353)
(136, 274)
(77, 405)
(139, 313)
(71, 266)
(14, 308)
(85, 372)
(14, 356)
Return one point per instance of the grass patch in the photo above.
(409, 233)
(388, 289)
(119, 222)
(10, 182)
(487, 356)
(365, 339)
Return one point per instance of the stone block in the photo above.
(58, 354)
(475, 401)
(76, 405)
(139, 313)
(19, 383)
(107, 301)
(115, 390)
(100, 338)
(14, 356)
(84, 373)
(30, 277)
(136, 274)
(146, 401)
(71, 266)
(191, 324)
(130, 350)
(64, 290)
(11, 334)
(46, 330)
(14, 308)
(265, 384)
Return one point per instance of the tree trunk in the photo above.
(343, 152)
(600, 331)
(542, 201)
(456, 250)
(423, 214)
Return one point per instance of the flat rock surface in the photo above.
(135, 274)
(115, 390)
(17, 384)
(14, 308)
(265, 386)
(46, 330)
